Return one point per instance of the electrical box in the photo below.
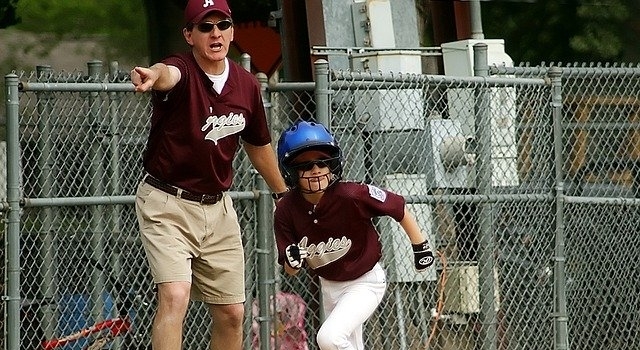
(453, 164)
(458, 61)
(457, 56)
(461, 290)
(389, 109)
(384, 109)
(374, 23)
(387, 61)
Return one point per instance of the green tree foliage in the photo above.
(120, 25)
(8, 13)
(564, 30)
(603, 28)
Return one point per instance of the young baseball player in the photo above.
(325, 224)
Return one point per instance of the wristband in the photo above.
(420, 246)
(279, 194)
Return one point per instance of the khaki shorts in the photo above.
(188, 241)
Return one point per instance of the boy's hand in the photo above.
(295, 256)
(422, 256)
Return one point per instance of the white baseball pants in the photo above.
(347, 305)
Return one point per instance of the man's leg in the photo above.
(173, 301)
(226, 330)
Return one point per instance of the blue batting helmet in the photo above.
(306, 136)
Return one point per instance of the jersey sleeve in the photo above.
(374, 201)
(163, 97)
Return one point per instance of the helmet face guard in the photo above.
(306, 136)
(309, 182)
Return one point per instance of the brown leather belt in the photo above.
(180, 193)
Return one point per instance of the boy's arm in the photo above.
(422, 254)
(410, 226)
(290, 270)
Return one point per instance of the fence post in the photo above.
(114, 136)
(486, 261)
(97, 170)
(265, 244)
(12, 239)
(322, 92)
(476, 20)
(48, 284)
(266, 269)
(560, 317)
(245, 61)
(263, 79)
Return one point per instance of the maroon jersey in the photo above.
(195, 131)
(338, 232)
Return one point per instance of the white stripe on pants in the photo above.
(347, 305)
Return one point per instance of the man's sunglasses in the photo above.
(206, 27)
(306, 166)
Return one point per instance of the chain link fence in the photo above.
(524, 179)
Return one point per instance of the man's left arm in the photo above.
(264, 160)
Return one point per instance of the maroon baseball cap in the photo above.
(196, 10)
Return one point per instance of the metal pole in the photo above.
(266, 239)
(322, 92)
(117, 239)
(115, 163)
(476, 20)
(114, 137)
(96, 170)
(486, 247)
(275, 124)
(245, 61)
(560, 317)
(12, 237)
(46, 164)
(266, 268)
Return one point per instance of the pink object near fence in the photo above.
(288, 332)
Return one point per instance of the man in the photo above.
(203, 104)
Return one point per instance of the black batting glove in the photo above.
(295, 256)
(422, 256)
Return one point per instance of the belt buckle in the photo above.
(215, 198)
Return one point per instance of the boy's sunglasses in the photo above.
(206, 27)
(306, 166)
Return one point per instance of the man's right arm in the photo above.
(158, 77)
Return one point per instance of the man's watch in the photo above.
(279, 194)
